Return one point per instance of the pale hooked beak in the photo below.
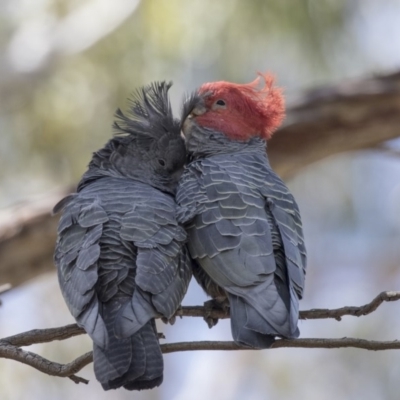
(193, 106)
(199, 109)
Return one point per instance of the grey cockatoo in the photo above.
(120, 254)
(244, 227)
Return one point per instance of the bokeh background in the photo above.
(66, 65)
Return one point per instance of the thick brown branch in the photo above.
(27, 240)
(327, 121)
(330, 120)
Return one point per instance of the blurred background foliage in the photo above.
(66, 65)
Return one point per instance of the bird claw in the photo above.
(170, 321)
(217, 304)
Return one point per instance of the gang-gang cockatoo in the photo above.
(244, 227)
(120, 253)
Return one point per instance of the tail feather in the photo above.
(241, 314)
(135, 362)
(267, 304)
(154, 365)
(260, 313)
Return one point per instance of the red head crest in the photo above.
(242, 111)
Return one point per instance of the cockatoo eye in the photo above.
(161, 162)
(220, 102)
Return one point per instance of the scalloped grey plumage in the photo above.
(120, 253)
(245, 233)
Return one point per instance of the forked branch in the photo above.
(10, 346)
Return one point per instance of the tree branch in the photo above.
(330, 120)
(316, 313)
(43, 365)
(308, 343)
(10, 346)
(36, 336)
(69, 370)
(338, 313)
(351, 116)
(27, 238)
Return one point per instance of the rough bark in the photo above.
(331, 120)
(327, 121)
(27, 240)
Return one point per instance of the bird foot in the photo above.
(217, 304)
(170, 321)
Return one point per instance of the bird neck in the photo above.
(202, 142)
(118, 160)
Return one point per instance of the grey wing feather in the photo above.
(163, 268)
(286, 215)
(134, 314)
(167, 301)
(233, 236)
(119, 247)
(63, 203)
(76, 256)
(97, 256)
(242, 333)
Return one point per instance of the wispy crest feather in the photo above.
(150, 113)
(252, 110)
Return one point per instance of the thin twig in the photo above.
(316, 313)
(78, 379)
(338, 313)
(308, 343)
(43, 365)
(43, 335)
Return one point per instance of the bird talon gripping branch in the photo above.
(210, 306)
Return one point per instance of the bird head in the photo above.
(147, 145)
(238, 111)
